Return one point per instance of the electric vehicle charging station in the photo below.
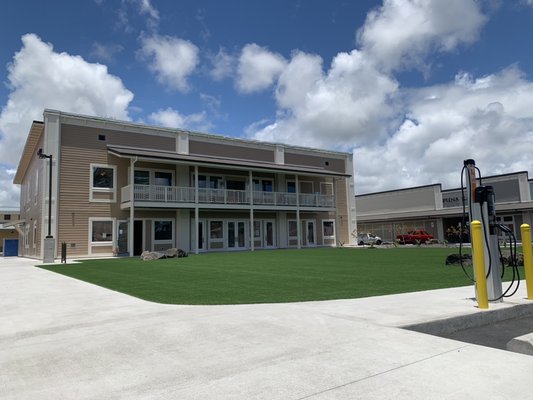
(481, 207)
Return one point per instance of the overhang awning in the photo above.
(229, 163)
(15, 224)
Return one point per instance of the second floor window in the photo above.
(103, 177)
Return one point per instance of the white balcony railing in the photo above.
(175, 194)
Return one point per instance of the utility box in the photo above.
(49, 250)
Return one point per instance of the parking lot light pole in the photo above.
(49, 241)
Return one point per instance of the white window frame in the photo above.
(289, 237)
(172, 230)
(112, 242)
(216, 240)
(92, 189)
(34, 235)
(151, 174)
(329, 237)
(37, 176)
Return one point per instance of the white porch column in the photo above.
(250, 178)
(132, 202)
(298, 223)
(196, 212)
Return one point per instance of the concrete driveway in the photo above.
(61, 338)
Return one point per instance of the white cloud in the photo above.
(402, 33)
(258, 68)
(349, 104)
(38, 78)
(106, 52)
(487, 119)
(9, 193)
(172, 59)
(171, 118)
(223, 65)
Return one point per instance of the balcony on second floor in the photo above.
(184, 197)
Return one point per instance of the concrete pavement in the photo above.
(65, 339)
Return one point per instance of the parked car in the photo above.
(417, 236)
(368, 238)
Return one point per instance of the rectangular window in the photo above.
(215, 182)
(103, 183)
(257, 229)
(163, 178)
(7, 217)
(291, 187)
(216, 230)
(293, 229)
(163, 231)
(202, 181)
(103, 177)
(141, 177)
(102, 231)
(328, 229)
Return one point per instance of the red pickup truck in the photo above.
(413, 237)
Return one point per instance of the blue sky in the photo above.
(411, 87)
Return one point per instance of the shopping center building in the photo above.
(440, 211)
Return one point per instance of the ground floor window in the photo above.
(163, 231)
(101, 231)
(328, 231)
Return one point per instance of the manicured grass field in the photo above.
(273, 276)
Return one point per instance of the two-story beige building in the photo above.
(120, 188)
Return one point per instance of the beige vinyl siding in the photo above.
(31, 207)
(80, 148)
(87, 137)
(334, 164)
(230, 151)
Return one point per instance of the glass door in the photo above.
(308, 233)
(236, 234)
(269, 234)
(122, 237)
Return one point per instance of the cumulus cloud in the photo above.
(485, 118)
(38, 78)
(401, 33)
(106, 52)
(172, 59)
(405, 136)
(223, 65)
(350, 103)
(9, 193)
(171, 118)
(257, 68)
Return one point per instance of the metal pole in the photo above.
(50, 198)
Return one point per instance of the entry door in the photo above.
(236, 235)
(201, 235)
(122, 237)
(138, 239)
(309, 233)
(269, 235)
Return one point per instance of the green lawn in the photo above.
(273, 276)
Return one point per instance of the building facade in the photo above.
(121, 188)
(439, 212)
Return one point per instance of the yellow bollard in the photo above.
(479, 265)
(528, 258)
